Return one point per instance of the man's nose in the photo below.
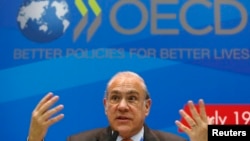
(123, 104)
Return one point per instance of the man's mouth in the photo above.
(123, 118)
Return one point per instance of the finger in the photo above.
(182, 126)
(48, 104)
(53, 111)
(202, 110)
(54, 119)
(210, 121)
(194, 112)
(44, 100)
(189, 120)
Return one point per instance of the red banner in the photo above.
(225, 114)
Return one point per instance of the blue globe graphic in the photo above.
(43, 20)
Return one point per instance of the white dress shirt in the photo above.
(137, 137)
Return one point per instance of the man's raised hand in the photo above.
(42, 118)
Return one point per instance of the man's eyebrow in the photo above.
(115, 92)
(132, 92)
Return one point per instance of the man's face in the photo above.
(125, 105)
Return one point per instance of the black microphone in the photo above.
(114, 135)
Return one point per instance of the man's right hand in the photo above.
(42, 118)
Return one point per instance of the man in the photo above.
(127, 103)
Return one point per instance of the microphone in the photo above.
(114, 135)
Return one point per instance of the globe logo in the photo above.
(43, 20)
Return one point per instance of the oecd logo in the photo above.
(43, 20)
(47, 20)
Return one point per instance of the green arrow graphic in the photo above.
(93, 27)
(83, 22)
(81, 7)
(95, 7)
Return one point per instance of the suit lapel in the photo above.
(105, 135)
(149, 135)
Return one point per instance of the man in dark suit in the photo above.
(105, 134)
(127, 103)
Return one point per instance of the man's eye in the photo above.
(115, 98)
(132, 98)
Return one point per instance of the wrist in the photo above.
(33, 139)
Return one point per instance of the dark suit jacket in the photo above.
(105, 134)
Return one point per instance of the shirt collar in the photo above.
(136, 137)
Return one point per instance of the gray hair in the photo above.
(127, 74)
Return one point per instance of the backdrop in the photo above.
(184, 49)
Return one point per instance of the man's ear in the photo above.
(148, 104)
(105, 105)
